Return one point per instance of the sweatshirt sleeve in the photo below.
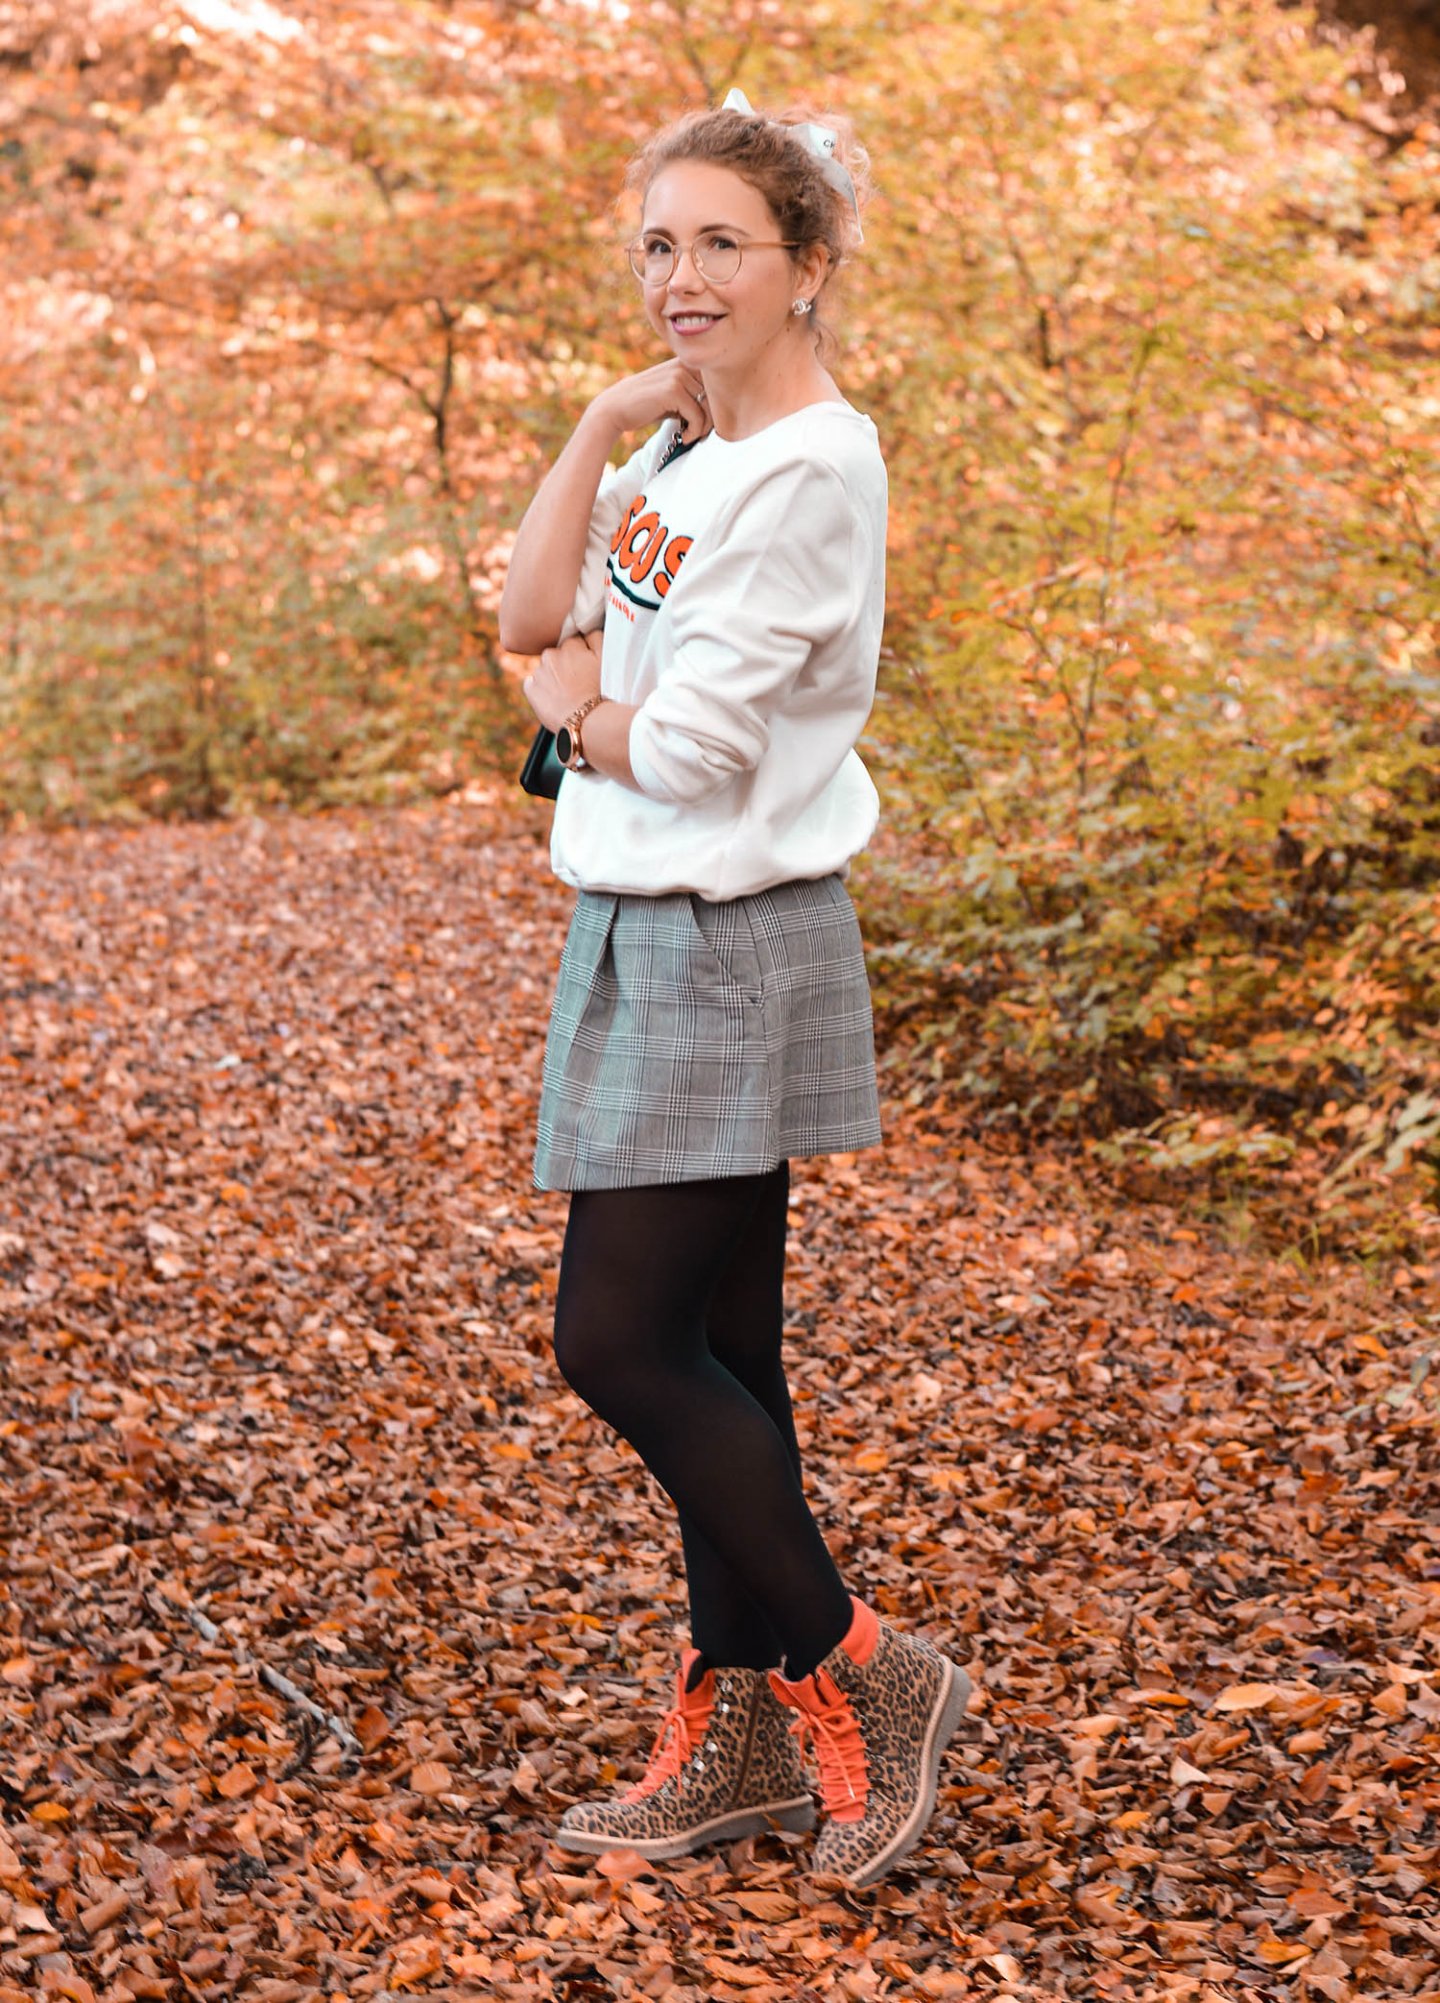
(780, 579)
(618, 487)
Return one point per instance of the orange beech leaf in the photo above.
(766, 1905)
(1283, 1953)
(413, 1960)
(372, 1727)
(622, 1865)
(1099, 1725)
(1313, 1902)
(431, 1777)
(430, 1885)
(1315, 1781)
(105, 1911)
(1306, 1742)
(66, 1982)
(1248, 1697)
(1185, 1775)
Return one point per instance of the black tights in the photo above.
(668, 1324)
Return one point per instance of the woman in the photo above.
(708, 624)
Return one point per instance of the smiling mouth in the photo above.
(694, 323)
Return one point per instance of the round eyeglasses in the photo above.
(714, 255)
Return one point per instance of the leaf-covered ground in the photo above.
(322, 1595)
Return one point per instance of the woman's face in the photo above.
(735, 325)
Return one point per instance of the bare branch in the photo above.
(173, 1602)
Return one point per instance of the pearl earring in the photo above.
(802, 306)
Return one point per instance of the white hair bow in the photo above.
(817, 139)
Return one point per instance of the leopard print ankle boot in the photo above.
(724, 1765)
(879, 1711)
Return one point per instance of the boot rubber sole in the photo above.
(945, 1721)
(797, 1815)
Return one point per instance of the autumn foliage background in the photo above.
(299, 302)
(295, 304)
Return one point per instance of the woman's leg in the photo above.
(642, 1270)
(744, 1325)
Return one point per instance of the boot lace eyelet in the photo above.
(671, 1758)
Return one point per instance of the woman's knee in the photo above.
(625, 1381)
(635, 1276)
(582, 1354)
(597, 1359)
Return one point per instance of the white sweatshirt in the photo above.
(742, 591)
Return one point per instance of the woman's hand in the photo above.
(566, 677)
(549, 552)
(668, 390)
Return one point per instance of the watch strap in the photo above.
(572, 727)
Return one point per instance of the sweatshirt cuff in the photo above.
(649, 776)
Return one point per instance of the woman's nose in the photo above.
(685, 254)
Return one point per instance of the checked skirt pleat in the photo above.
(692, 1039)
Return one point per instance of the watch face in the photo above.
(564, 744)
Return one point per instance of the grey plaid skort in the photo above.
(691, 1039)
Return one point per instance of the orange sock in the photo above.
(858, 1641)
(862, 1635)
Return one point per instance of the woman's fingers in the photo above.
(694, 413)
(565, 676)
(667, 390)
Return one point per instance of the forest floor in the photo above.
(321, 1595)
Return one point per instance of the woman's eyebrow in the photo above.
(705, 229)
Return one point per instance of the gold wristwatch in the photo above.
(568, 747)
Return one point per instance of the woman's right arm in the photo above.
(544, 572)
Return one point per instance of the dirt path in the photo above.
(274, 1294)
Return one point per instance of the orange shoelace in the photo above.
(833, 1729)
(681, 1730)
